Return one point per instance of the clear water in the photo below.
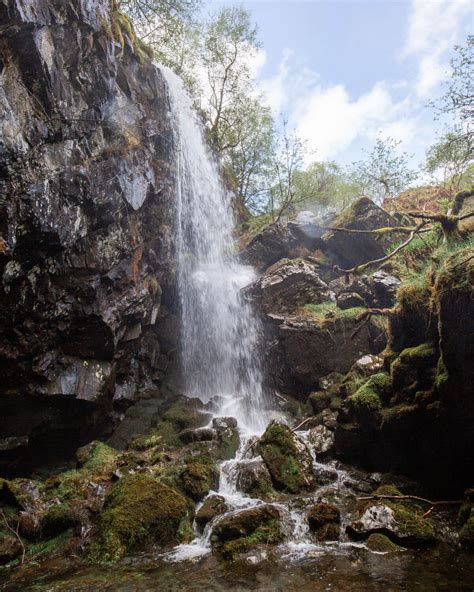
(219, 332)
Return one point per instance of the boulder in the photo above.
(374, 291)
(213, 506)
(199, 478)
(287, 458)
(402, 521)
(227, 436)
(286, 286)
(324, 521)
(254, 479)
(350, 249)
(138, 510)
(242, 532)
(321, 440)
(303, 350)
(270, 245)
(306, 230)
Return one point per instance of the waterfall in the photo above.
(219, 339)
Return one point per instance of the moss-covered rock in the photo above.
(213, 506)
(138, 509)
(244, 530)
(199, 478)
(61, 517)
(97, 458)
(368, 398)
(403, 521)
(379, 543)
(287, 459)
(186, 413)
(253, 478)
(324, 521)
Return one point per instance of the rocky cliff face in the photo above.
(85, 209)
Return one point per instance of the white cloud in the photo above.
(330, 120)
(433, 29)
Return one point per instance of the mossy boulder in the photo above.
(379, 543)
(287, 458)
(227, 436)
(244, 530)
(402, 521)
(212, 506)
(61, 517)
(187, 414)
(22, 494)
(253, 478)
(97, 457)
(138, 510)
(199, 477)
(324, 521)
(367, 400)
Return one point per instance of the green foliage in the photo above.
(385, 172)
(379, 543)
(324, 184)
(449, 159)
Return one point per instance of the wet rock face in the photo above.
(85, 188)
(324, 521)
(288, 285)
(302, 351)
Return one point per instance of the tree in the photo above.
(287, 159)
(459, 96)
(325, 184)
(230, 41)
(385, 173)
(250, 157)
(449, 158)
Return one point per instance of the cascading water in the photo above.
(219, 331)
(220, 360)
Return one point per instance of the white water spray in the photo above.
(219, 332)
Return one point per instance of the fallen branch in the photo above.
(16, 534)
(364, 266)
(300, 425)
(432, 504)
(384, 230)
(463, 262)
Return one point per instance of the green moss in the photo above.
(48, 548)
(199, 478)
(185, 532)
(283, 459)
(399, 412)
(268, 534)
(365, 401)
(138, 509)
(421, 354)
(67, 486)
(409, 515)
(59, 518)
(98, 458)
(185, 414)
(121, 27)
(379, 543)
(466, 534)
(329, 312)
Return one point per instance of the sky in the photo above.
(346, 71)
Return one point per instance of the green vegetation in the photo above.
(329, 311)
(379, 543)
(138, 509)
(284, 459)
(267, 534)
